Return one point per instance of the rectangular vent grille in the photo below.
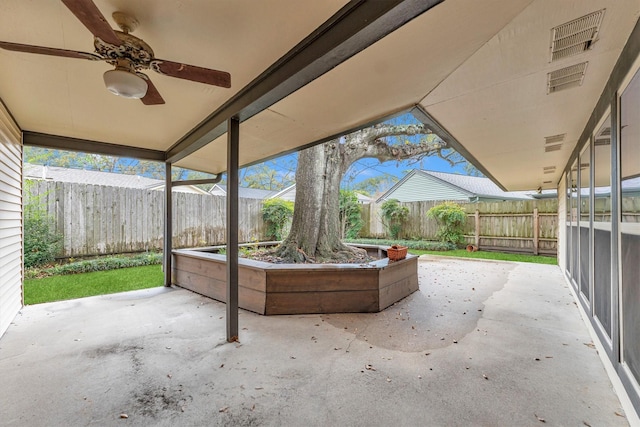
(603, 137)
(547, 182)
(566, 78)
(576, 36)
(549, 169)
(550, 148)
(554, 139)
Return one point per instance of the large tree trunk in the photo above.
(315, 230)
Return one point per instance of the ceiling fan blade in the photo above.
(152, 97)
(89, 14)
(48, 51)
(192, 72)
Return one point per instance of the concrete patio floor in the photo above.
(481, 343)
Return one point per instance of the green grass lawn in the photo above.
(71, 286)
(490, 255)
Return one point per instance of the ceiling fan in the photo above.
(129, 54)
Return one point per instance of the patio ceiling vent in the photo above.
(554, 139)
(575, 36)
(549, 169)
(566, 78)
(553, 143)
(603, 138)
(551, 148)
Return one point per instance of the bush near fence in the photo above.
(100, 220)
(529, 226)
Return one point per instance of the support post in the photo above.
(477, 235)
(616, 208)
(168, 226)
(536, 231)
(233, 151)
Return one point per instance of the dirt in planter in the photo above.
(354, 256)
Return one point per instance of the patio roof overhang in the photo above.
(303, 72)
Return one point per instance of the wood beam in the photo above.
(74, 144)
(215, 180)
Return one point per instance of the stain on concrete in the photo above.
(153, 400)
(447, 307)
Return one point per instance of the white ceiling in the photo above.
(67, 97)
(496, 103)
(478, 68)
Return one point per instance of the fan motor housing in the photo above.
(132, 48)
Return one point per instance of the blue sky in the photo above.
(371, 167)
(367, 168)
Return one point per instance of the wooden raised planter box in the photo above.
(268, 289)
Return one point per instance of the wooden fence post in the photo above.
(536, 231)
(477, 236)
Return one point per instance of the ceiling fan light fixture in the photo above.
(125, 84)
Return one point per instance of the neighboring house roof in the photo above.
(289, 193)
(364, 200)
(630, 187)
(81, 176)
(420, 185)
(246, 193)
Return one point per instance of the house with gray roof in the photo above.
(421, 185)
(82, 176)
(289, 194)
(244, 192)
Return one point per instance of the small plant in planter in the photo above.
(451, 218)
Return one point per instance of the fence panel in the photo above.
(508, 225)
(98, 220)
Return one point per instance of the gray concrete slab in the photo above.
(481, 343)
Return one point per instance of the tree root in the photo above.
(290, 254)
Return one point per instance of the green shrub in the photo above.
(394, 216)
(451, 219)
(41, 242)
(98, 264)
(277, 214)
(351, 221)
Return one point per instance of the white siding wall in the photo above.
(10, 220)
(419, 187)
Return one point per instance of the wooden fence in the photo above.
(529, 226)
(97, 220)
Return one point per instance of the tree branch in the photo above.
(373, 143)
